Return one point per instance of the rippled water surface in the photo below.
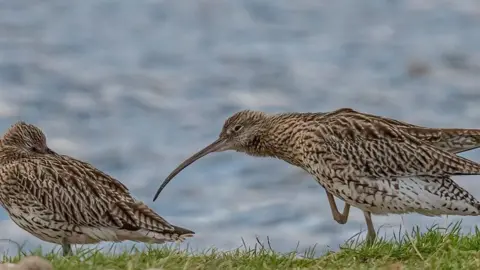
(134, 87)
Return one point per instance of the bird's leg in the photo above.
(67, 249)
(340, 218)
(371, 235)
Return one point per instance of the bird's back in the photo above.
(365, 146)
(82, 168)
(455, 140)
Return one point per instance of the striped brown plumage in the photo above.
(380, 165)
(62, 200)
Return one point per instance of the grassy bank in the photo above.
(435, 249)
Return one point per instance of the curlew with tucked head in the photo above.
(380, 165)
(62, 200)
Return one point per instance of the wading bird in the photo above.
(62, 200)
(380, 165)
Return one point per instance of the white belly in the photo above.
(425, 195)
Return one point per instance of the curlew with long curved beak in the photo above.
(380, 165)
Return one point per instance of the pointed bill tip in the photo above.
(157, 193)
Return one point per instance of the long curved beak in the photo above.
(217, 146)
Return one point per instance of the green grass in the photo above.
(435, 249)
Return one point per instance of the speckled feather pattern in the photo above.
(60, 199)
(377, 164)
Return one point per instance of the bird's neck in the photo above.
(281, 137)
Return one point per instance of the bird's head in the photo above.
(26, 138)
(240, 132)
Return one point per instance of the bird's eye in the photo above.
(237, 128)
(35, 149)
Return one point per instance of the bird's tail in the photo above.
(142, 224)
(178, 234)
(453, 140)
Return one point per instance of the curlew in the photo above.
(379, 165)
(65, 201)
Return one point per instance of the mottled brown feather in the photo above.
(455, 140)
(375, 149)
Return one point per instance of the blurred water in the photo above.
(134, 87)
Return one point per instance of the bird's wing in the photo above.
(102, 178)
(454, 140)
(73, 196)
(360, 146)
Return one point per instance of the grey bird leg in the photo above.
(340, 218)
(67, 249)
(371, 235)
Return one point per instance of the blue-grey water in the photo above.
(135, 87)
